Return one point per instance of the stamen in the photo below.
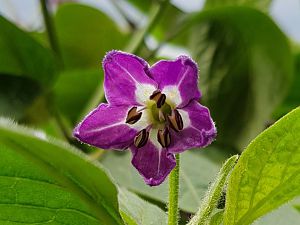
(159, 98)
(133, 116)
(141, 138)
(163, 137)
(175, 121)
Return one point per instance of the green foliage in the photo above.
(17, 94)
(260, 4)
(48, 181)
(246, 68)
(285, 215)
(74, 89)
(193, 184)
(293, 98)
(21, 55)
(210, 201)
(267, 173)
(142, 5)
(136, 211)
(241, 70)
(85, 34)
(26, 70)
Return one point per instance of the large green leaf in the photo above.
(47, 181)
(136, 211)
(246, 67)
(267, 173)
(85, 35)
(196, 172)
(74, 89)
(285, 215)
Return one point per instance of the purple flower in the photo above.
(154, 111)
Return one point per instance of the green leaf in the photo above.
(47, 181)
(142, 5)
(260, 4)
(267, 173)
(85, 35)
(293, 98)
(217, 218)
(21, 55)
(135, 210)
(196, 172)
(244, 76)
(26, 70)
(73, 90)
(17, 94)
(212, 196)
(285, 215)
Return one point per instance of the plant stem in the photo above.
(213, 194)
(173, 194)
(50, 29)
(155, 14)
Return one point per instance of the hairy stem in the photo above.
(173, 194)
(137, 40)
(212, 196)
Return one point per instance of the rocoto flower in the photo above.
(153, 111)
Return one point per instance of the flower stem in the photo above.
(173, 194)
(155, 14)
(50, 29)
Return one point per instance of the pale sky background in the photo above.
(28, 15)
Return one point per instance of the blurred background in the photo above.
(248, 53)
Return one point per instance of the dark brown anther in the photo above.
(163, 137)
(141, 138)
(175, 121)
(159, 98)
(133, 116)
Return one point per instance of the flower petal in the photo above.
(153, 162)
(126, 81)
(105, 128)
(178, 79)
(199, 129)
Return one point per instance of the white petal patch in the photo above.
(185, 118)
(153, 138)
(173, 95)
(143, 92)
(144, 121)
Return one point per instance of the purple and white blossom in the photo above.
(153, 111)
